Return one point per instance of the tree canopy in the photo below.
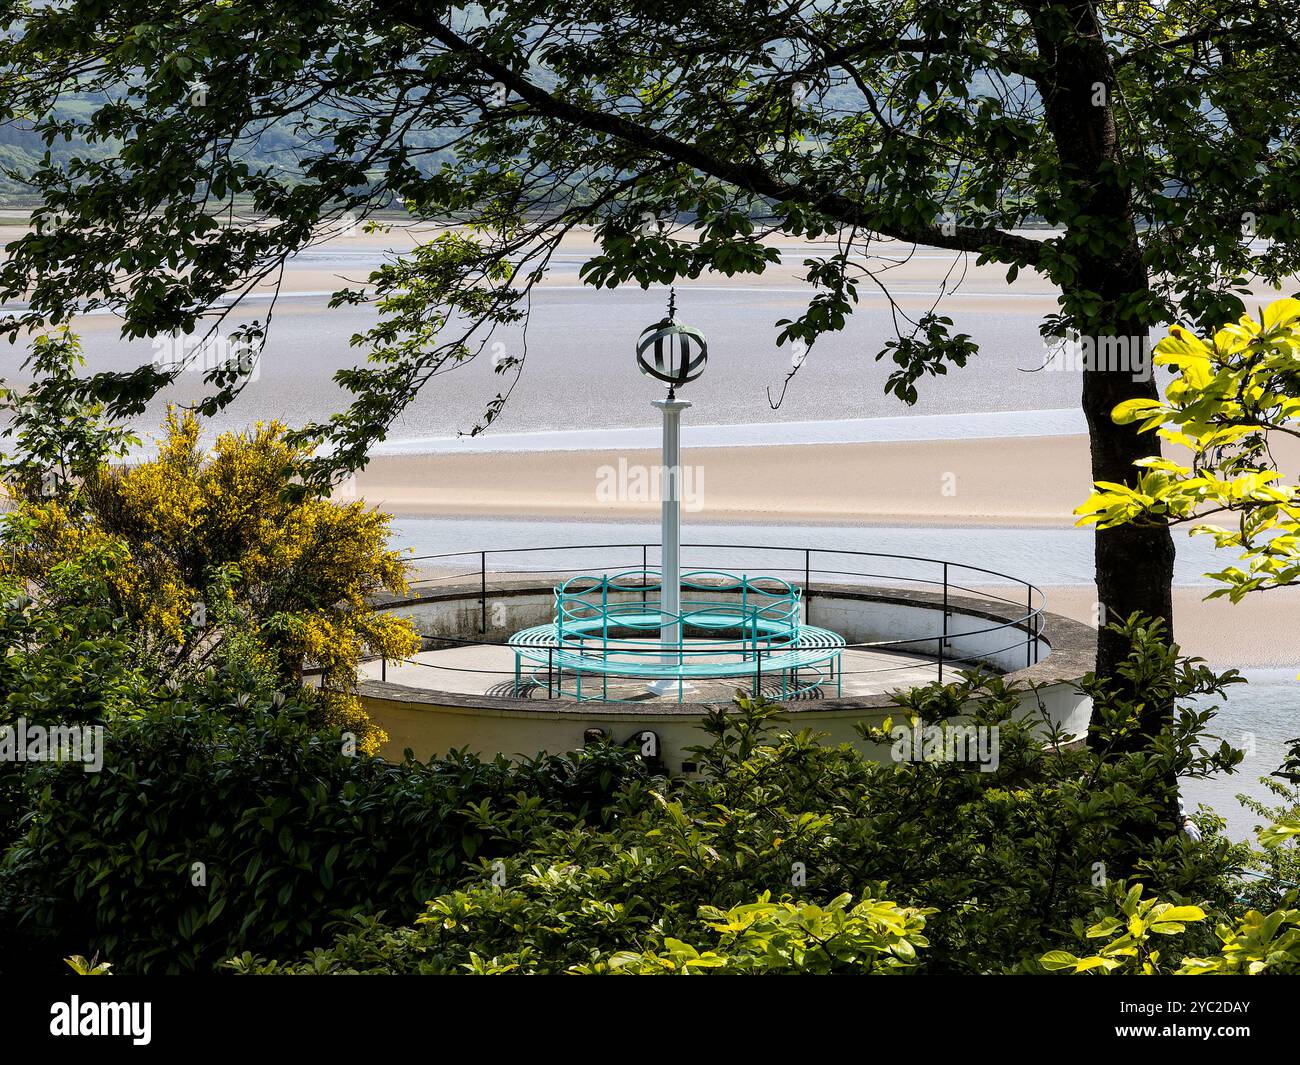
(1158, 140)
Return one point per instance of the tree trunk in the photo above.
(1107, 294)
(1135, 564)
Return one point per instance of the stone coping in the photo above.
(1073, 649)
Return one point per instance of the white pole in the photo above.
(670, 597)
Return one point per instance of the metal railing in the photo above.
(1022, 601)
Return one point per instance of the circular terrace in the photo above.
(541, 648)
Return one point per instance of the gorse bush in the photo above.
(221, 560)
(210, 832)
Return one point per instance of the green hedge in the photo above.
(206, 835)
(788, 855)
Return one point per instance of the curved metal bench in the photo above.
(589, 636)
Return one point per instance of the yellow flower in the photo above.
(213, 548)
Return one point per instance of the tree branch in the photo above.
(750, 175)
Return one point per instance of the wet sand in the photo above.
(1021, 481)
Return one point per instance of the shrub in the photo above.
(587, 864)
(1253, 945)
(549, 925)
(65, 659)
(221, 558)
(999, 863)
(872, 938)
(208, 833)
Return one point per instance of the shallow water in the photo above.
(970, 426)
(580, 370)
(1045, 556)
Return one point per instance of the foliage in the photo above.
(65, 656)
(82, 967)
(869, 938)
(1233, 393)
(59, 435)
(555, 917)
(215, 567)
(949, 123)
(1253, 945)
(1129, 949)
(65, 660)
(213, 830)
(997, 863)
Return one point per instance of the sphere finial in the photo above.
(671, 352)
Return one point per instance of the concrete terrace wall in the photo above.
(980, 630)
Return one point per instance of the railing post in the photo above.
(482, 588)
(807, 576)
(645, 574)
(383, 668)
(550, 670)
(1030, 642)
(943, 636)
